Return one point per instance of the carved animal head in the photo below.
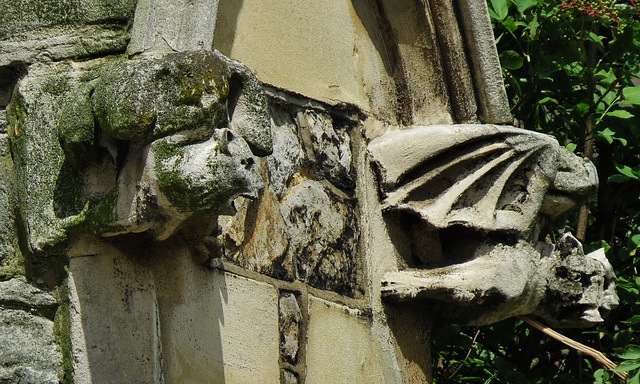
(184, 128)
(579, 289)
(480, 196)
(142, 144)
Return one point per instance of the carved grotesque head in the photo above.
(167, 126)
(580, 289)
(147, 143)
(466, 206)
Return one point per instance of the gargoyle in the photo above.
(177, 134)
(469, 208)
(149, 142)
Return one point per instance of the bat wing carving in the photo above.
(488, 177)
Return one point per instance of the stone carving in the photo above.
(151, 141)
(467, 205)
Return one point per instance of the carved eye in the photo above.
(248, 162)
(562, 272)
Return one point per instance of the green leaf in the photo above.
(622, 338)
(493, 16)
(510, 24)
(628, 365)
(596, 39)
(523, 5)
(627, 171)
(633, 351)
(547, 99)
(635, 379)
(620, 113)
(511, 60)
(631, 95)
(617, 178)
(501, 8)
(571, 147)
(607, 134)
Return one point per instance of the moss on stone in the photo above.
(62, 329)
(16, 115)
(18, 16)
(56, 85)
(194, 184)
(184, 194)
(170, 180)
(124, 102)
(100, 219)
(168, 94)
(76, 128)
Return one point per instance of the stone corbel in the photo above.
(158, 139)
(470, 209)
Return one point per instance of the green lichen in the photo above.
(171, 182)
(11, 259)
(62, 329)
(76, 128)
(205, 188)
(106, 39)
(56, 85)
(183, 193)
(167, 94)
(16, 115)
(100, 219)
(124, 101)
(18, 16)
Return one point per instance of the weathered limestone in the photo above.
(28, 351)
(114, 320)
(173, 26)
(298, 205)
(304, 224)
(580, 288)
(334, 328)
(40, 31)
(499, 189)
(484, 177)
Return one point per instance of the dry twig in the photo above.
(599, 356)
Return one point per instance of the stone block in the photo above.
(27, 15)
(322, 225)
(17, 293)
(340, 346)
(324, 67)
(290, 318)
(114, 320)
(28, 352)
(216, 327)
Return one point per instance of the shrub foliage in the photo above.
(571, 69)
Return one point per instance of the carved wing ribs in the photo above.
(488, 177)
(489, 181)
